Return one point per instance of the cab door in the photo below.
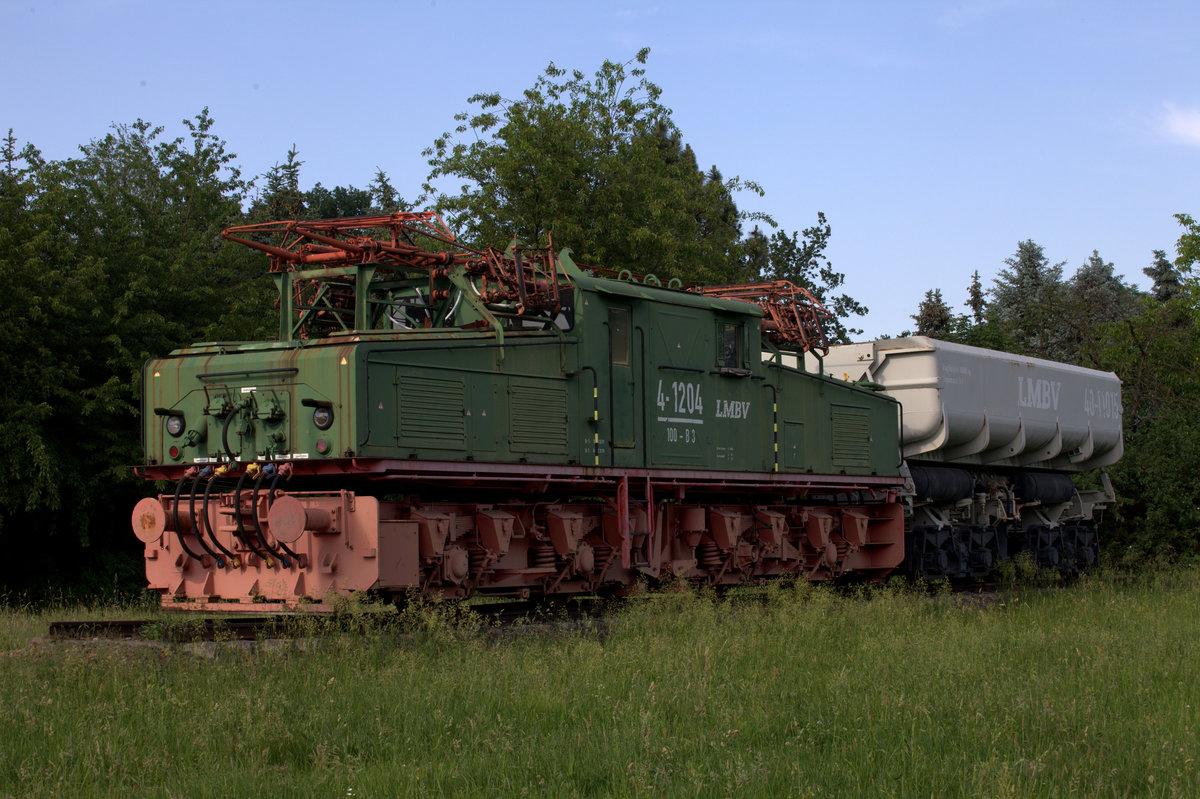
(625, 412)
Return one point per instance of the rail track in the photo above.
(175, 630)
(187, 628)
(497, 618)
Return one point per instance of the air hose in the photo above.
(269, 469)
(240, 530)
(271, 501)
(205, 472)
(208, 524)
(225, 434)
(175, 517)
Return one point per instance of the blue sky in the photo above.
(934, 135)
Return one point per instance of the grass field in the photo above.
(1086, 691)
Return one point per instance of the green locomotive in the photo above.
(446, 421)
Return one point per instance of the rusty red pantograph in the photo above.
(792, 314)
(531, 277)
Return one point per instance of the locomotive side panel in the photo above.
(470, 400)
(706, 405)
(679, 379)
(830, 427)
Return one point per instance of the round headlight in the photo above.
(323, 417)
(175, 424)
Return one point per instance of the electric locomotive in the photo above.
(443, 421)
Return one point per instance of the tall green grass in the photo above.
(1085, 691)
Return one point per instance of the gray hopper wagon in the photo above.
(990, 441)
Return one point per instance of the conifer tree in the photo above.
(934, 317)
(1168, 282)
(976, 300)
(1027, 302)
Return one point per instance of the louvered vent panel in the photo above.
(431, 413)
(538, 419)
(851, 437)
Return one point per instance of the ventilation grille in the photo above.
(431, 413)
(851, 437)
(538, 419)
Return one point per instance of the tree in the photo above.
(934, 317)
(800, 258)
(1168, 282)
(281, 198)
(1101, 292)
(107, 258)
(384, 196)
(1188, 246)
(30, 367)
(1154, 354)
(976, 300)
(1153, 351)
(1027, 303)
(1094, 295)
(323, 203)
(598, 164)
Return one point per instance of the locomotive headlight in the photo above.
(323, 417)
(175, 424)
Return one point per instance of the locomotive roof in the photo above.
(642, 291)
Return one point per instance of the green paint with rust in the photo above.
(677, 381)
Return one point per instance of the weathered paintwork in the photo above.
(650, 363)
(487, 426)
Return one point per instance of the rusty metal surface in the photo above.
(529, 278)
(792, 315)
(484, 474)
(341, 544)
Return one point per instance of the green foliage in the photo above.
(1157, 356)
(1032, 310)
(1168, 282)
(1188, 246)
(599, 164)
(108, 258)
(800, 258)
(1153, 344)
(1095, 295)
(1027, 302)
(975, 299)
(282, 197)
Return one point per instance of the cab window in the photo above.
(618, 335)
(729, 345)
